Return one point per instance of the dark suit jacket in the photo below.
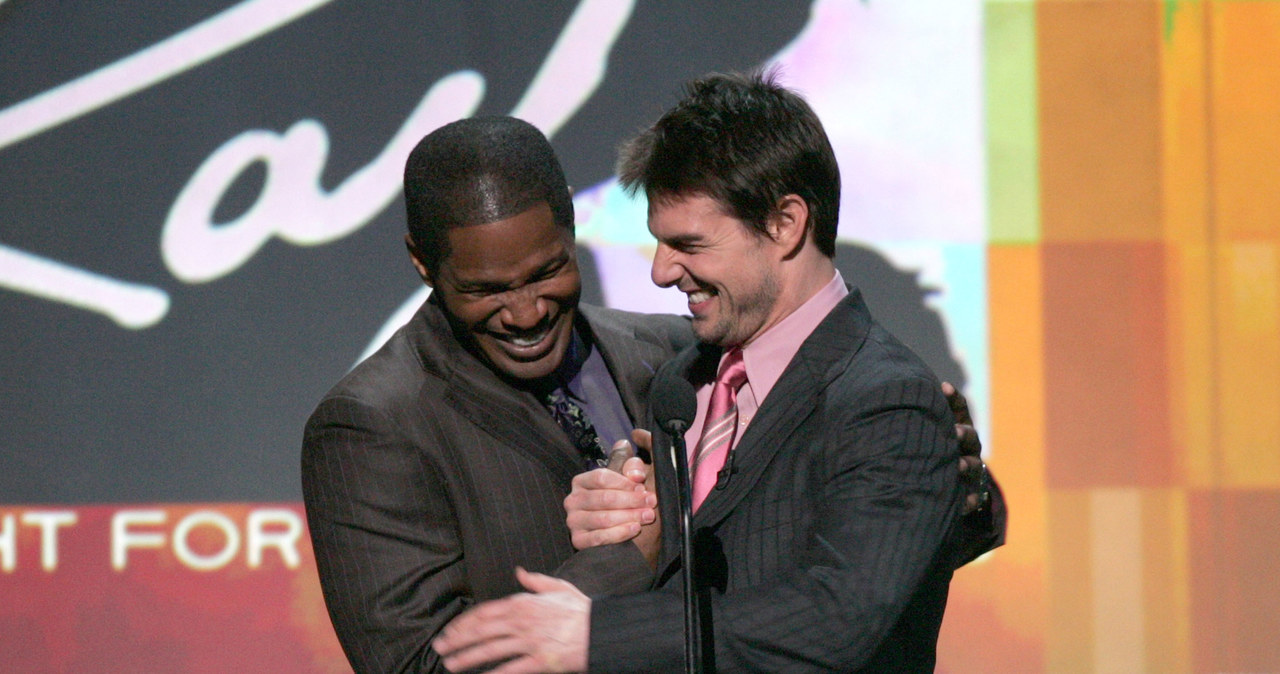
(428, 479)
(826, 550)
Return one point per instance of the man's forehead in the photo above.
(509, 246)
(681, 209)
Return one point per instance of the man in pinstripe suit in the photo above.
(826, 541)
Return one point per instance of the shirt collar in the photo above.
(769, 354)
(575, 357)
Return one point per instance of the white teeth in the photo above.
(699, 296)
(525, 341)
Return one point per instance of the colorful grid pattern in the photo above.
(1134, 301)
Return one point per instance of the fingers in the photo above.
(602, 489)
(604, 480)
(485, 652)
(643, 439)
(526, 664)
(636, 470)
(590, 520)
(593, 538)
(481, 624)
(970, 443)
(622, 450)
(959, 405)
(480, 636)
(543, 632)
(589, 529)
(606, 507)
(973, 476)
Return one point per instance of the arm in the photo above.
(619, 553)
(385, 537)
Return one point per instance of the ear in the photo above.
(418, 264)
(789, 223)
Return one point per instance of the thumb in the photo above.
(539, 583)
(642, 438)
(635, 469)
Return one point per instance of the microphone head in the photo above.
(673, 401)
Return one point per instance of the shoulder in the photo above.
(390, 379)
(880, 372)
(668, 331)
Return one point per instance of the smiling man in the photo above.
(826, 502)
(440, 463)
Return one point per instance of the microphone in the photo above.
(674, 405)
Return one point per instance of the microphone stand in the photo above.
(692, 601)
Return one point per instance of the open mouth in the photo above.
(527, 340)
(528, 345)
(698, 298)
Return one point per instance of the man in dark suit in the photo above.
(436, 467)
(823, 452)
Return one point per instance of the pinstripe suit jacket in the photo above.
(427, 479)
(826, 549)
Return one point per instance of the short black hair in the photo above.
(479, 170)
(745, 141)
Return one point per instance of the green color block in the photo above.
(1013, 150)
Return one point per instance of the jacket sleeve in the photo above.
(608, 570)
(385, 536)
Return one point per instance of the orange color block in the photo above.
(1106, 365)
(1100, 121)
(1235, 599)
(1245, 118)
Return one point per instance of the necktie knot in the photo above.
(733, 370)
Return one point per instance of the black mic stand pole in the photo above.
(692, 600)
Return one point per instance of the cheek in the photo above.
(563, 290)
(470, 313)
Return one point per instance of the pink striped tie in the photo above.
(719, 427)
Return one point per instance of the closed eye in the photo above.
(685, 244)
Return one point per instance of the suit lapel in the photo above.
(515, 417)
(518, 420)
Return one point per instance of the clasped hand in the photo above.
(616, 504)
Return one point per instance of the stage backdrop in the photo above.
(1068, 207)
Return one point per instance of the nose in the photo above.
(665, 272)
(523, 309)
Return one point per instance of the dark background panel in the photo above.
(208, 404)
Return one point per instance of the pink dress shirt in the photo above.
(766, 359)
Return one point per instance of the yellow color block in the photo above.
(1248, 323)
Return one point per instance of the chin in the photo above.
(528, 369)
(709, 332)
(525, 371)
